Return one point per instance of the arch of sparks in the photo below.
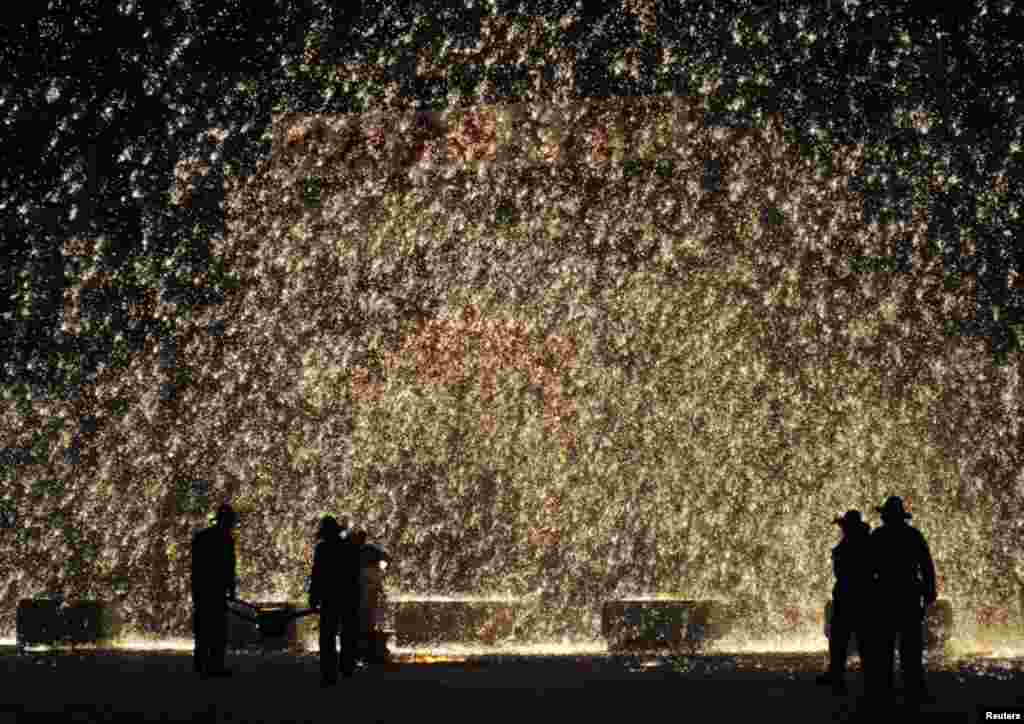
(565, 352)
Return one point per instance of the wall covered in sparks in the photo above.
(568, 352)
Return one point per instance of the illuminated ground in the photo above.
(154, 682)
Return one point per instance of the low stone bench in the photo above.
(54, 622)
(675, 624)
(464, 621)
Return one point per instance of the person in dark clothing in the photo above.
(851, 566)
(372, 561)
(334, 589)
(358, 538)
(213, 584)
(904, 587)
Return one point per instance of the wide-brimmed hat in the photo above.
(328, 527)
(893, 508)
(849, 520)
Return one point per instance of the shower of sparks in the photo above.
(428, 658)
(130, 643)
(685, 413)
(412, 598)
(549, 648)
(794, 644)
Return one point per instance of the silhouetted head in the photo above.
(226, 516)
(851, 523)
(892, 510)
(329, 528)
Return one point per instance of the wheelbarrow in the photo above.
(272, 623)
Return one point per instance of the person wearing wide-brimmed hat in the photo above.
(334, 589)
(213, 583)
(905, 587)
(852, 569)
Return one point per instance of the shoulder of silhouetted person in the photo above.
(905, 533)
(878, 540)
(918, 536)
(204, 537)
(329, 546)
(883, 532)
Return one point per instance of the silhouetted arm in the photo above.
(194, 558)
(316, 578)
(232, 572)
(928, 573)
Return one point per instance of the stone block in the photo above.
(639, 624)
(432, 622)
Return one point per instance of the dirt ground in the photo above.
(149, 686)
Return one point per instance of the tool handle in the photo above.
(255, 619)
(241, 615)
(247, 617)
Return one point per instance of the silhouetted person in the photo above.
(852, 567)
(904, 588)
(213, 583)
(370, 558)
(334, 589)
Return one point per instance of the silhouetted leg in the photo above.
(365, 645)
(863, 633)
(199, 650)
(881, 660)
(328, 645)
(218, 635)
(838, 645)
(349, 640)
(911, 650)
(206, 637)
